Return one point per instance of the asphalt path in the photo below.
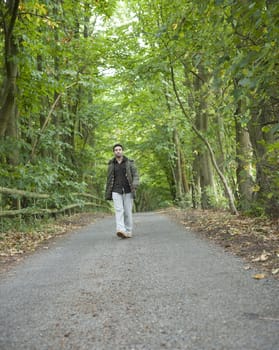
(165, 288)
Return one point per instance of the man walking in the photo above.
(122, 181)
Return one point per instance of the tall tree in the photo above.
(8, 106)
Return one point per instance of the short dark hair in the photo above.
(117, 145)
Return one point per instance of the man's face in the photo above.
(118, 152)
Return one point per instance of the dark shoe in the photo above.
(121, 234)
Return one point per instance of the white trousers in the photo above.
(123, 206)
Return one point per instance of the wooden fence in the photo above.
(78, 204)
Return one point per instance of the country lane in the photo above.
(165, 288)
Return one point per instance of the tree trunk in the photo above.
(206, 181)
(220, 142)
(244, 165)
(196, 187)
(177, 167)
(205, 169)
(180, 179)
(185, 182)
(8, 110)
(266, 194)
(57, 114)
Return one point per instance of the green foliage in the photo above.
(94, 73)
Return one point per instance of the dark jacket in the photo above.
(131, 174)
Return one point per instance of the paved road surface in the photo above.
(163, 289)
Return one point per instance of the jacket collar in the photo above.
(113, 160)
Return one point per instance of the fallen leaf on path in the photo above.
(14, 251)
(259, 276)
(4, 254)
(264, 256)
